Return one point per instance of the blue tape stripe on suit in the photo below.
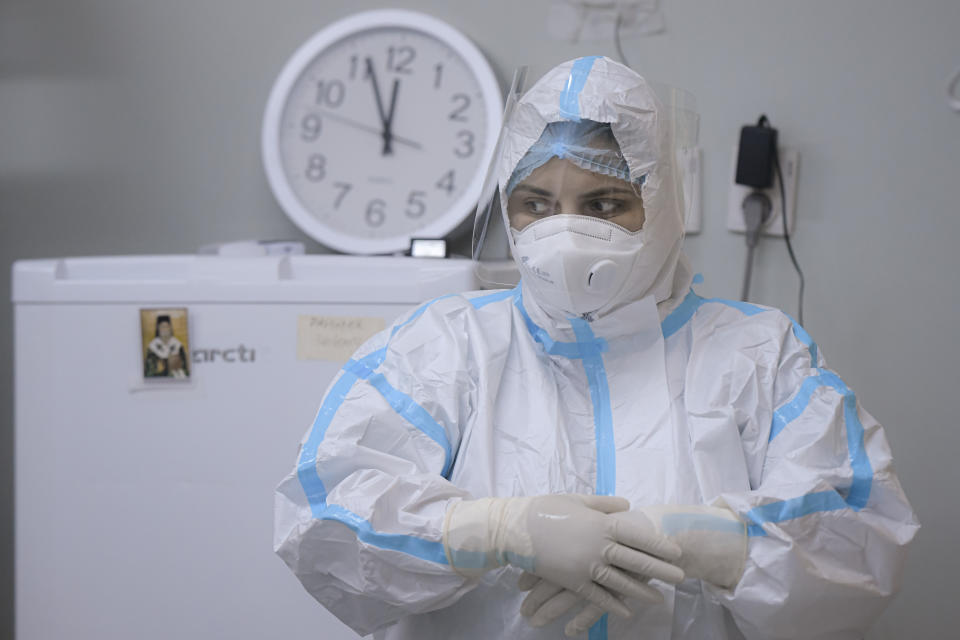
(482, 301)
(680, 316)
(859, 491)
(317, 495)
(313, 487)
(404, 406)
(804, 337)
(862, 484)
(402, 403)
(793, 508)
(424, 549)
(570, 96)
(860, 488)
(307, 464)
(600, 397)
(553, 347)
(416, 415)
(795, 408)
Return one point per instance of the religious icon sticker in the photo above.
(165, 344)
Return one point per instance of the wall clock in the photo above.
(379, 129)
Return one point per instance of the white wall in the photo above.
(131, 126)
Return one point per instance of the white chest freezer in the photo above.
(144, 505)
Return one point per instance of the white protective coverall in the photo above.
(668, 399)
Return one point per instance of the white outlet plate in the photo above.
(691, 161)
(789, 163)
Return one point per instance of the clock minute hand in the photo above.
(376, 94)
(368, 128)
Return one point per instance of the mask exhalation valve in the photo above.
(601, 275)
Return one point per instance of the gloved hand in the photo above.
(713, 541)
(569, 540)
(547, 601)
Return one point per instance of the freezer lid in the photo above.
(200, 278)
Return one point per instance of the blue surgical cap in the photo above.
(588, 144)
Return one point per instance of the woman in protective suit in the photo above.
(598, 439)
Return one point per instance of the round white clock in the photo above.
(379, 129)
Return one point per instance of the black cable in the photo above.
(756, 212)
(786, 232)
(747, 275)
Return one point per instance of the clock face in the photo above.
(384, 131)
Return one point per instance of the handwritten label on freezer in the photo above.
(333, 337)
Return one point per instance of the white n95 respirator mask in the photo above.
(577, 264)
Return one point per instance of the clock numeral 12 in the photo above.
(399, 59)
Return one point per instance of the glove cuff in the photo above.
(713, 539)
(479, 535)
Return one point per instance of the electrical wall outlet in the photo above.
(691, 162)
(789, 163)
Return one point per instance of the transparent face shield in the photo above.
(577, 169)
(682, 130)
(490, 248)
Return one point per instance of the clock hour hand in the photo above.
(388, 124)
(364, 127)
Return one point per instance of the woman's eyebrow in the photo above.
(606, 191)
(534, 190)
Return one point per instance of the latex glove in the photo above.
(546, 602)
(714, 544)
(713, 539)
(569, 540)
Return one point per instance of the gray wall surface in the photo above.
(132, 126)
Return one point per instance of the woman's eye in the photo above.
(605, 207)
(538, 207)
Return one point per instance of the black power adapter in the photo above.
(757, 155)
